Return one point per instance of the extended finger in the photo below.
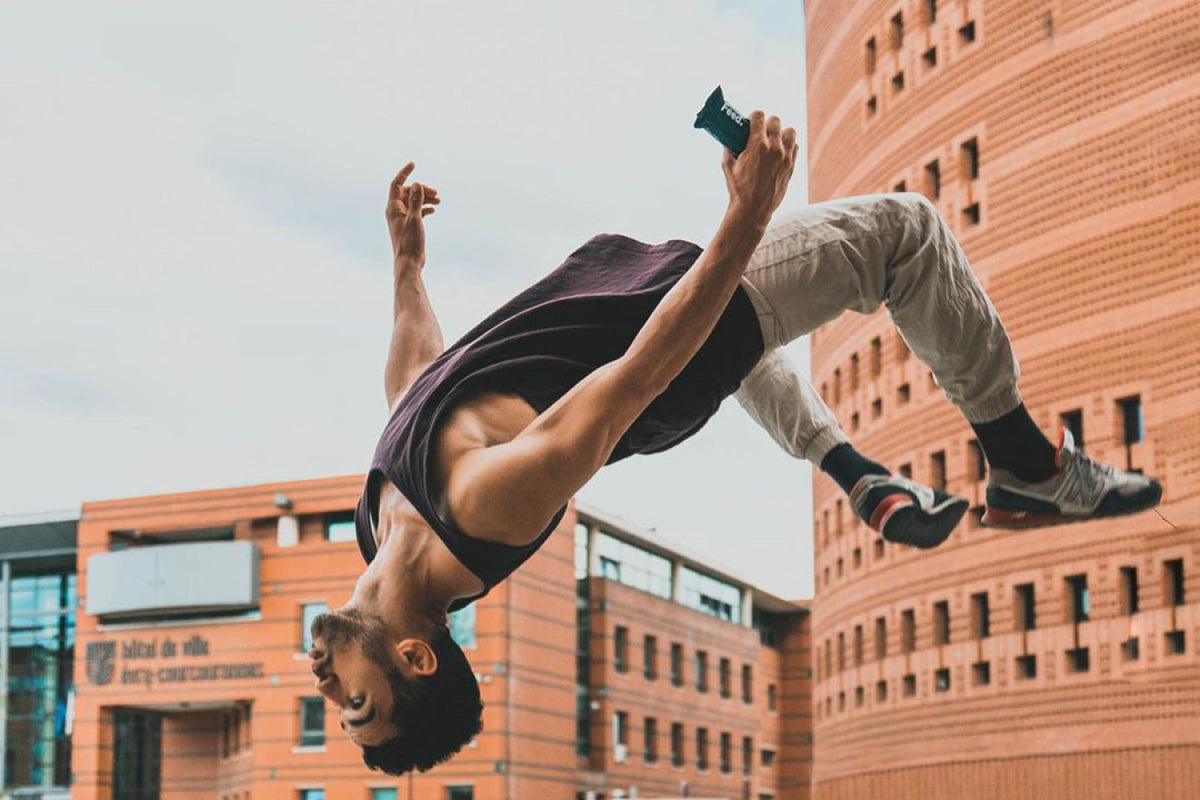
(425, 212)
(756, 122)
(402, 176)
(789, 137)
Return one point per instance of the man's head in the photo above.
(409, 703)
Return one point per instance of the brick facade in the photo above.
(1066, 139)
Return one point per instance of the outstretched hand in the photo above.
(407, 207)
(758, 178)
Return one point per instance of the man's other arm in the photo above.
(416, 336)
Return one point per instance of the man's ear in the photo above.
(416, 657)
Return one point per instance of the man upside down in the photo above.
(630, 347)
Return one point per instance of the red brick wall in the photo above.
(784, 730)
(1087, 115)
(525, 657)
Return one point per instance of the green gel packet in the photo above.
(726, 124)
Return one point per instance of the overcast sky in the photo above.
(195, 273)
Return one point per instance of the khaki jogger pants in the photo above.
(856, 253)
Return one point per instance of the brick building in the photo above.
(1061, 141)
(611, 664)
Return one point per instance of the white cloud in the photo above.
(195, 268)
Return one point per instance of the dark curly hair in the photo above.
(436, 714)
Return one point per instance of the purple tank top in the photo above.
(581, 316)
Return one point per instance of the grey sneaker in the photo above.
(1081, 489)
(904, 511)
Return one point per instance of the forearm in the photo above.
(416, 336)
(686, 316)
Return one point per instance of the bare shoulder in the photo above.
(472, 434)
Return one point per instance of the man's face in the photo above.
(349, 656)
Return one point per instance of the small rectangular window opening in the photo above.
(1078, 599)
(897, 30)
(1129, 591)
(933, 179)
(1073, 421)
(941, 622)
(1026, 607)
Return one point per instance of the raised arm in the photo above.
(416, 337)
(509, 492)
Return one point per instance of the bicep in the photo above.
(511, 491)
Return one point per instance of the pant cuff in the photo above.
(992, 407)
(819, 446)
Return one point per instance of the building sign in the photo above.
(138, 662)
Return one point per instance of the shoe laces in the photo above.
(1094, 476)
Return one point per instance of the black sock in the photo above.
(846, 465)
(1015, 443)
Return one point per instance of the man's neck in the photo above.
(413, 578)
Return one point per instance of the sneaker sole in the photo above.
(1020, 520)
(910, 525)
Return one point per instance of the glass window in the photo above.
(309, 612)
(311, 794)
(462, 627)
(633, 566)
(710, 595)
(312, 721)
(41, 664)
(621, 728)
(650, 657)
(383, 793)
(581, 553)
(621, 648)
(676, 664)
(1079, 606)
(460, 793)
(340, 527)
(650, 740)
